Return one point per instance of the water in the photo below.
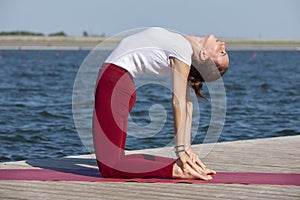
(262, 90)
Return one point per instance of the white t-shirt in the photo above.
(149, 51)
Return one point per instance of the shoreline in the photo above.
(106, 43)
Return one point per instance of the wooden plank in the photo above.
(81, 190)
(262, 155)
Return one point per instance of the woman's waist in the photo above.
(111, 71)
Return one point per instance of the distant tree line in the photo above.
(86, 34)
(28, 33)
(61, 33)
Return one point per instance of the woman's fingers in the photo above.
(205, 168)
(196, 159)
(210, 171)
(195, 174)
(200, 163)
(192, 165)
(187, 161)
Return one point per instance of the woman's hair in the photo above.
(203, 71)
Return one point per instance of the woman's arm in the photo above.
(181, 119)
(189, 118)
(188, 127)
(180, 74)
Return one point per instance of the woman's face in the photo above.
(216, 50)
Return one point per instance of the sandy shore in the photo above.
(88, 43)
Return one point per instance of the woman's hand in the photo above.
(190, 169)
(195, 158)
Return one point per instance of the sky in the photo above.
(241, 19)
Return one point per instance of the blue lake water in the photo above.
(36, 121)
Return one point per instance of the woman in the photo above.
(190, 61)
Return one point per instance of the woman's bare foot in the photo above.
(187, 172)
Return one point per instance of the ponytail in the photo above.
(196, 84)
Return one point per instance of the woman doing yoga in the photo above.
(190, 60)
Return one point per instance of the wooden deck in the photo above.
(280, 155)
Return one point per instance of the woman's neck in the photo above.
(196, 43)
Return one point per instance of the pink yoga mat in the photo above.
(93, 175)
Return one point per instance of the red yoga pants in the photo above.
(114, 98)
